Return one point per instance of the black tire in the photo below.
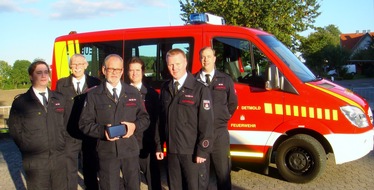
(300, 159)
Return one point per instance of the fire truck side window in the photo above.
(153, 53)
(96, 52)
(239, 58)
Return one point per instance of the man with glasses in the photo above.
(36, 124)
(115, 103)
(74, 88)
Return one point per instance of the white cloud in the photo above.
(23, 7)
(8, 6)
(155, 3)
(81, 9)
(78, 9)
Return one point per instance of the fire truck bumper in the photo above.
(349, 147)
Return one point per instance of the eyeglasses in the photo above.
(77, 64)
(46, 72)
(113, 70)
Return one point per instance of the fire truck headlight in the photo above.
(370, 113)
(355, 115)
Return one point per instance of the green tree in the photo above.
(283, 18)
(321, 49)
(5, 70)
(19, 76)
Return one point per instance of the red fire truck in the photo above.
(286, 115)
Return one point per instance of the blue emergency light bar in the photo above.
(206, 18)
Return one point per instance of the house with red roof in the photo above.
(354, 42)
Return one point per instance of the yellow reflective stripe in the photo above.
(311, 112)
(349, 101)
(71, 48)
(296, 110)
(327, 114)
(62, 50)
(335, 115)
(268, 108)
(319, 113)
(302, 111)
(247, 154)
(61, 60)
(288, 110)
(77, 49)
(279, 109)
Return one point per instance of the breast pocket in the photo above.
(59, 111)
(105, 110)
(34, 131)
(219, 95)
(130, 108)
(33, 119)
(186, 101)
(186, 110)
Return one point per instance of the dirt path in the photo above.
(6, 99)
(7, 96)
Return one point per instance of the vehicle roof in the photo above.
(118, 33)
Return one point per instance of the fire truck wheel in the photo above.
(300, 159)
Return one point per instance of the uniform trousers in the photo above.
(46, 173)
(110, 173)
(184, 173)
(89, 160)
(73, 148)
(150, 169)
(90, 163)
(220, 162)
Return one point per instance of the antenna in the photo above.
(169, 12)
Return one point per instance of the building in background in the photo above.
(354, 42)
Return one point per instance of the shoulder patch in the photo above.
(205, 143)
(206, 104)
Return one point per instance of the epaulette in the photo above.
(202, 82)
(18, 95)
(89, 89)
(165, 83)
(226, 74)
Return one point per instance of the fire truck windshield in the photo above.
(300, 70)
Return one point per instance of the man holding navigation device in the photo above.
(115, 108)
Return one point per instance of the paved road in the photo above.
(11, 172)
(358, 174)
(353, 175)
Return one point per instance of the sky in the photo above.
(29, 27)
